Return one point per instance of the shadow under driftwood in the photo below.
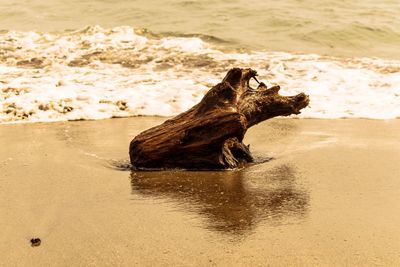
(233, 202)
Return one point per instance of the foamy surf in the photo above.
(98, 73)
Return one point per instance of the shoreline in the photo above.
(164, 118)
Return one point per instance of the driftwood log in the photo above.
(210, 134)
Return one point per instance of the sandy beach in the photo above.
(328, 197)
(79, 80)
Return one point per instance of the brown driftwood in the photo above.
(210, 134)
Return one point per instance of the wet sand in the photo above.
(330, 196)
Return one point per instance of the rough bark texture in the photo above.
(210, 134)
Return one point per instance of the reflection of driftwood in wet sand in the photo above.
(210, 134)
(228, 200)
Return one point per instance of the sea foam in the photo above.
(97, 73)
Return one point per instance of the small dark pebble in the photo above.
(35, 242)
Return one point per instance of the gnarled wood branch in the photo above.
(210, 134)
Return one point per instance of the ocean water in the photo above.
(73, 60)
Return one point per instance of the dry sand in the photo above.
(329, 197)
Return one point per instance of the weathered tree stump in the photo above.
(210, 134)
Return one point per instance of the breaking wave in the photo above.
(97, 73)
